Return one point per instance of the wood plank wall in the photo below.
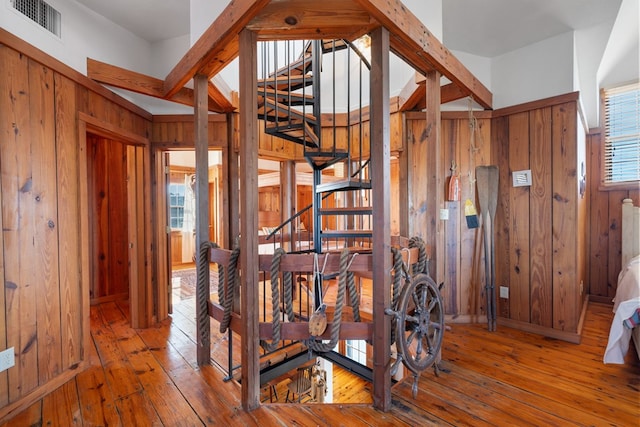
(44, 311)
(108, 223)
(466, 148)
(605, 220)
(541, 230)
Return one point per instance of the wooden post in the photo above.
(201, 115)
(250, 297)
(404, 187)
(434, 237)
(232, 178)
(288, 196)
(381, 183)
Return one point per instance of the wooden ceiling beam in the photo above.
(206, 54)
(151, 86)
(306, 19)
(413, 42)
(414, 94)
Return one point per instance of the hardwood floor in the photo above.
(149, 377)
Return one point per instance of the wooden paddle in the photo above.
(487, 183)
(494, 175)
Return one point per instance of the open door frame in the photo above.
(139, 214)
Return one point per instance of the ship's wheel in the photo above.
(419, 319)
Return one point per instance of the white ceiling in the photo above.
(481, 27)
(153, 20)
(493, 27)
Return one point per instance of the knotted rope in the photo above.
(354, 296)
(400, 271)
(422, 265)
(321, 347)
(275, 302)
(202, 290)
(227, 295)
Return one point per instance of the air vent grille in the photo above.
(40, 12)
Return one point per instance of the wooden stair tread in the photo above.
(295, 98)
(271, 105)
(346, 185)
(300, 65)
(346, 233)
(358, 210)
(291, 82)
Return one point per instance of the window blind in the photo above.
(622, 134)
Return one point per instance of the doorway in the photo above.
(117, 228)
(180, 209)
(108, 219)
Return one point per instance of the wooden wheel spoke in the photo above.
(419, 350)
(432, 304)
(412, 319)
(424, 294)
(411, 336)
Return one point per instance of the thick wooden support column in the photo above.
(381, 183)
(201, 115)
(250, 297)
(434, 237)
(233, 181)
(288, 197)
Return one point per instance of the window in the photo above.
(357, 350)
(622, 134)
(176, 205)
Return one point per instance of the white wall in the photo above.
(621, 60)
(203, 13)
(536, 71)
(480, 67)
(589, 48)
(83, 34)
(165, 54)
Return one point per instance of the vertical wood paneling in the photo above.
(69, 222)
(582, 201)
(45, 262)
(117, 193)
(500, 147)
(540, 214)
(450, 156)
(100, 217)
(519, 259)
(475, 149)
(6, 134)
(17, 212)
(417, 158)
(598, 221)
(614, 251)
(564, 146)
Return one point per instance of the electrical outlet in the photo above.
(7, 359)
(504, 292)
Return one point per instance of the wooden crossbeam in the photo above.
(305, 19)
(308, 19)
(217, 46)
(297, 331)
(151, 86)
(414, 95)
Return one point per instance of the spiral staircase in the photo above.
(290, 105)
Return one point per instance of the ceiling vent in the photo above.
(40, 12)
